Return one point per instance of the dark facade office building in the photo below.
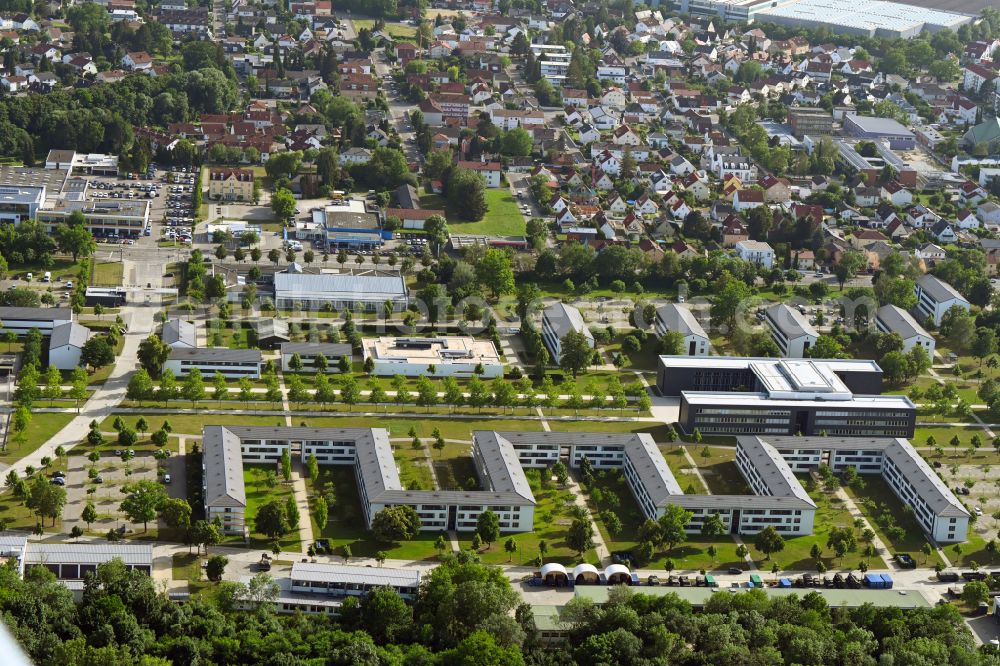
(740, 396)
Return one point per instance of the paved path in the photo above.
(603, 553)
(284, 400)
(856, 513)
(302, 500)
(696, 470)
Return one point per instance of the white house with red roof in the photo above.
(490, 171)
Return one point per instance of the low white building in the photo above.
(309, 351)
(756, 252)
(21, 320)
(66, 344)
(934, 298)
(680, 319)
(790, 330)
(232, 363)
(559, 319)
(892, 319)
(457, 356)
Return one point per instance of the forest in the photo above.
(466, 614)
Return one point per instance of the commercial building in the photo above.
(680, 319)
(301, 291)
(559, 319)
(892, 319)
(20, 202)
(444, 356)
(809, 120)
(790, 330)
(309, 351)
(66, 344)
(350, 226)
(872, 18)
(93, 164)
(230, 184)
(109, 297)
(121, 218)
(935, 297)
(872, 128)
(232, 363)
(784, 397)
(21, 320)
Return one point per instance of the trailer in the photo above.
(874, 581)
(886, 581)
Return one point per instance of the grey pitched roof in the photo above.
(789, 321)
(773, 471)
(69, 334)
(939, 290)
(271, 328)
(680, 319)
(180, 331)
(40, 314)
(223, 463)
(328, 349)
(898, 320)
(565, 318)
(216, 354)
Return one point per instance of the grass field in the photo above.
(187, 567)
(913, 539)
(107, 274)
(42, 427)
(503, 217)
(192, 424)
(395, 30)
(259, 494)
(413, 469)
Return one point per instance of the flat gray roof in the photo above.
(35, 314)
(215, 355)
(328, 349)
(875, 125)
(339, 286)
(341, 573)
(88, 553)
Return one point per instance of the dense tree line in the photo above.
(466, 614)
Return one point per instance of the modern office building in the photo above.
(21, 320)
(935, 297)
(122, 218)
(20, 202)
(301, 291)
(309, 351)
(350, 226)
(680, 319)
(92, 164)
(448, 356)
(559, 319)
(232, 363)
(790, 330)
(735, 396)
(892, 319)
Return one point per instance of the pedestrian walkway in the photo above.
(284, 400)
(856, 513)
(302, 500)
(696, 470)
(601, 548)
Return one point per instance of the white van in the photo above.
(47, 277)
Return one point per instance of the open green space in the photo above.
(552, 520)
(394, 30)
(943, 436)
(454, 468)
(692, 554)
(347, 527)
(503, 216)
(973, 551)
(41, 428)
(456, 428)
(259, 494)
(718, 467)
(16, 514)
(107, 274)
(414, 471)
(61, 269)
(192, 424)
(187, 567)
(876, 500)
(677, 462)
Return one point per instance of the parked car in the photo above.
(905, 561)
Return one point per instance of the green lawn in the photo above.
(187, 567)
(108, 274)
(878, 491)
(18, 516)
(503, 217)
(692, 554)
(552, 519)
(41, 428)
(690, 483)
(414, 471)
(395, 30)
(972, 551)
(259, 494)
(943, 435)
(192, 424)
(718, 467)
(454, 468)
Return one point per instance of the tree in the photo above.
(216, 566)
(168, 387)
(141, 501)
(488, 527)
(272, 520)
(511, 547)
(321, 512)
(53, 384)
(713, 526)
(140, 386)
(384, 615)
(396, 523)
(283, 204)
(575, 352)
(672, 343)
(726, 304)
(517, 142)
(842, 540)
(89, 514)
(193, 388)
(580, 536)
(975, 592)
(286, 464)
(768, 541)
(176, 513)
(466, 194)
(97, 352)
(75, 240)
(850, 264)
(204, 533)
(495, 272)
(672, 525)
